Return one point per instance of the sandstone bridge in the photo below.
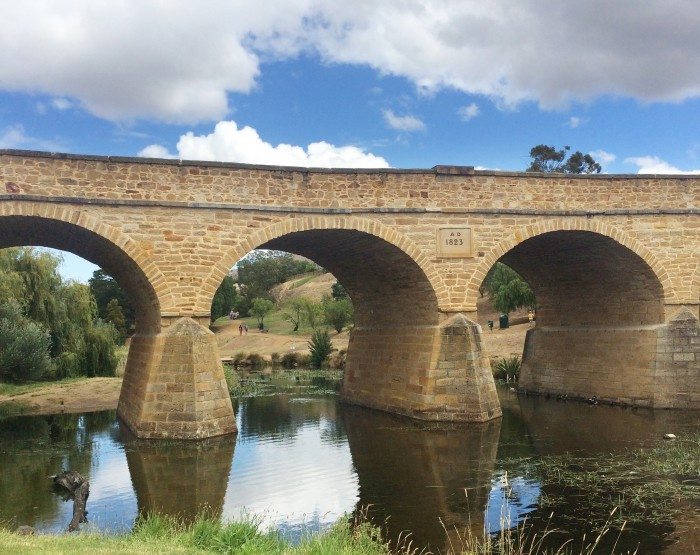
(614, 261)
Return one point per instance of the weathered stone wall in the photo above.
(169, 231)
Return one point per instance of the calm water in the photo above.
(300, 461)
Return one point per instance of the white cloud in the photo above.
(155, 151)
(14, 136)
(177, 62)
(229, 143)
(466, 113)
(61, 103)
(575, 121)
(602, 156)
(403, 123)
(654, 164)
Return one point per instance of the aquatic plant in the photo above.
(507, 369)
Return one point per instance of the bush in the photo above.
(338, 314)
(507, 369)
(320, 347)
(275, 359)
(24, 346)
(99, 357)
(337, 360)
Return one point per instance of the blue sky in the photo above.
(395, 83)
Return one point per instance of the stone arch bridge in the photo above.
(614, 261)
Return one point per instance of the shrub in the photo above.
(338, 359)
(24, 346)
(338, 314)
(275, 359)
(320, 347)
(507, 369)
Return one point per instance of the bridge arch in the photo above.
(546, 226)
(295, 225)
(601, 310)
(76, 231)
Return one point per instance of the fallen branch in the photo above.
(78, 488)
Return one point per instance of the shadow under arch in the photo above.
(404, 355)
(614, 234)
(42, 231)
(295, 225)
(600, 309)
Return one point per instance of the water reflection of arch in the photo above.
(179, 478)
(412, 475)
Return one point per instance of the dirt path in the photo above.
(231, 342)
(88, 395)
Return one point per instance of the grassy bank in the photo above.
(158, 534)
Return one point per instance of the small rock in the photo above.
(26, 531)
(511, 389)
(669, 436)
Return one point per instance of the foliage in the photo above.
(66, 310)
(507, 369)
(312, 313)
(99, 357)
(338, 313)
(104, 288)
(260, 309)
(294, 312)
(261, 270)
(24, 349)
(338, 291)
(548, 159)
(115, 316)
(508, 291)
(207, 535)
(320, 347)
(225, 299)
(293, 360)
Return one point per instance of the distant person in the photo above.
(245, 328)
(231, 315)
(240, 329)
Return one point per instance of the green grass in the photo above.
(158, 534)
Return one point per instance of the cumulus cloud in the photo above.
(403, 123)
(466, 113)
(602, 156)
(654, 164)
(179, 62)
(229, 143)
(155, 151)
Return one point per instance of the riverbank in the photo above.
(65, 396)
(156, 534)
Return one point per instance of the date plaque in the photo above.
(454, 242)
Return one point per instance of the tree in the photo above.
(104, 288)
(508, 291)
(24, 346)
(294, 313)
(320, 347)
(312, 313)
(547, 159)
(338, 291)
(66, 310)
(260, 309)
(224, 299)
(261, 270)
(115, 316)
(338, 314)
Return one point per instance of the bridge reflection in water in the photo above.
(179, 478)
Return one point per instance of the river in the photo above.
(301, 460)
